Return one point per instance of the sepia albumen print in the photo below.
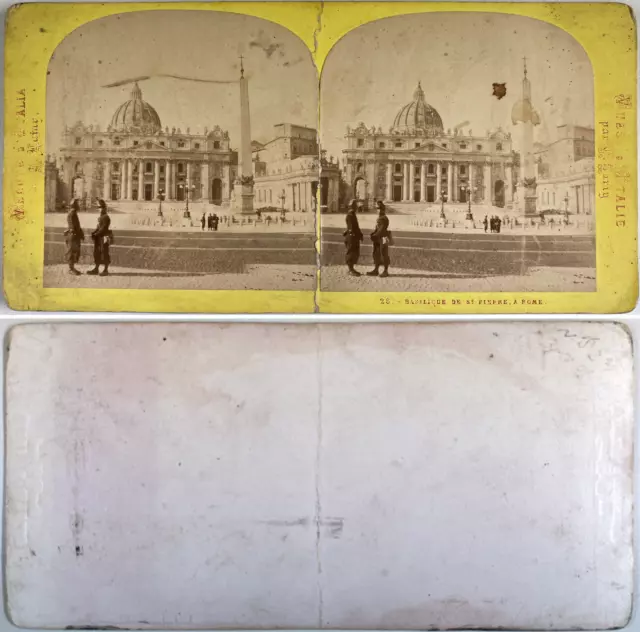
(466, 146)
(182, 153)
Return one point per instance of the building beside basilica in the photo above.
(417, 160)
(565, 171)
(287, 172)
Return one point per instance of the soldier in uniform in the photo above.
(381, 236)
(352, 238)
(102, 236)
(74, 236)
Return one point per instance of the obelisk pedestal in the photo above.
(527, 198)
(242, 197)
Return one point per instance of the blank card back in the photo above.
(387, 476)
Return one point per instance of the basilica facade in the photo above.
(136, 160)
(418, 161)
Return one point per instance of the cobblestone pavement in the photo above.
(337, 279)
(254, 277)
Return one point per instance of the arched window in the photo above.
(498, 146)
(216, 144)
(77, 169)
(116, 167)
(180, 167)
(148, 168)
(359, 167)
(431, 169)
(398, 167)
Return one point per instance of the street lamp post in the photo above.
(187, 191)
(161, 199)
(469, 189)
(443, 199)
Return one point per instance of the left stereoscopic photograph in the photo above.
(181, 153)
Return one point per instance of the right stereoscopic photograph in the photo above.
(466, 145)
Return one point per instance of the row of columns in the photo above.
(300, 193)
(333, 193)
(583, 198)
(170, 177)
(452, 180)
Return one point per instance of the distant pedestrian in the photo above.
(102, 238)
(74, 236)
(381, 238)
(485, 223)
(498, 224)
(352, 238)
(202, 220)
(215, 220)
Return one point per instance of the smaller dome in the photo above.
(418, 117)
(136, 115)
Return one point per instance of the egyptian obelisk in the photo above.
(524, 112)
(243, 188)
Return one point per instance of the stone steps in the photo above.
(420, 208)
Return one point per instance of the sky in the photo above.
(283, 84)
(373, 71)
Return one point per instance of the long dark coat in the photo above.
(73, 238)
(380, 249)
(352, 238)
(101, 238)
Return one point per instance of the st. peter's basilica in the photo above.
(417, 160)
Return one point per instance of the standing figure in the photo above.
(485, 223)
(74, 236)
(381, 238)
(498, 223)
(202, 220)
(215, 221)
(352, 238)
(102, 237)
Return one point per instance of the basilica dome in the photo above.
(136, 115)
(418, 117)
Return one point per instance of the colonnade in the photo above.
(447, 178)
(164, 175)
